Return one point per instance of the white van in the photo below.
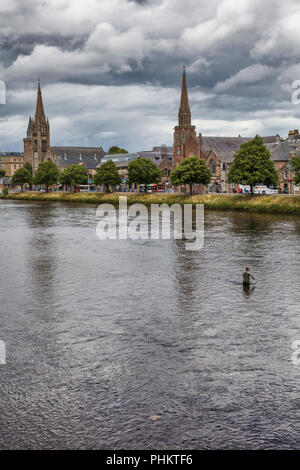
(262, 189)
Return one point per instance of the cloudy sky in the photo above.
(111, 69)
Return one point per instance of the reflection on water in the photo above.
(248, 290)
(101, 335)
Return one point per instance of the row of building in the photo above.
(218, 152)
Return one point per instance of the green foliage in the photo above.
(191, 170)
(115, 150)
(46, 174)
(2, 173)
(253, 165)
(28, 167)
(4, 193)
(108, 175)
(22, 176)
(295, 162)
(73, 175)
(143, 171)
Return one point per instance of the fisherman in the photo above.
(246, 277)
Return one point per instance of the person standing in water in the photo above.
(246, 277)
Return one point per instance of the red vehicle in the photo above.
(153, 188)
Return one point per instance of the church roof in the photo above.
(87, 151)
(90, 157)
(226, 147)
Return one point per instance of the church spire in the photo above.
(39, 113)
(184, 115)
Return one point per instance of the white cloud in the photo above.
(281, 40)
(226, 46)
(248, 75)
(199, 65)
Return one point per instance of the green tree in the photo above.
(191, 170)
(73, 175)
(108, 175)
(295, 162)
(22, 176)
(143, 171)
(46, 174)
(2, 173)
(115, 150)
(28, 167)
(253, 165)
(4, 192)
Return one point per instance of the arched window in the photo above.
(212, 166)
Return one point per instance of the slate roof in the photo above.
(281, 151)
(11, 154)
(163, 149)
(90, 157)
(226, 147)
(156, 156)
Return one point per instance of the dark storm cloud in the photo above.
(241, 59)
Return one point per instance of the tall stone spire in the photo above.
(184, 115)
(39, 113)
(185, 139)
(37, 143)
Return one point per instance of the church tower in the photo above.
(185, 139)
(37, 142)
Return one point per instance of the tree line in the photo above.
(252, 165)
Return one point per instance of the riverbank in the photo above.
(265, 204)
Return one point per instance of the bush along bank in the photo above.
(277, 204)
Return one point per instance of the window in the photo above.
(212, 166)
(224, 166)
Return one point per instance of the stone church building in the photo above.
(37, 147)
(219, 152)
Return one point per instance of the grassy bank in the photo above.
(263, 204)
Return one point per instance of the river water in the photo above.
(102, 335)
